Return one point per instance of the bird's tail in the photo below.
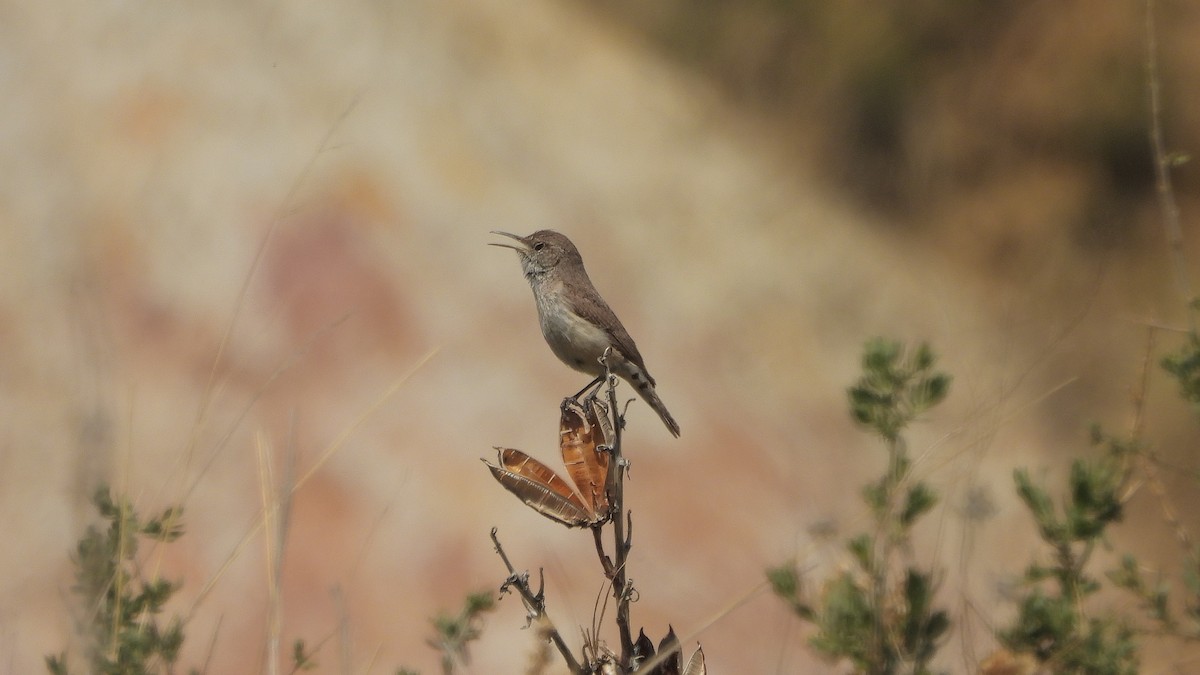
(640, 379)
(651, 397)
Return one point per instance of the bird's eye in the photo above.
(539, 246)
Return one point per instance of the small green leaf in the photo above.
(862, 548)
(785, 581)
(301, 657)
(876, 497)
(57, 664)
(845, 621)
(920, 499)
(480, 602)
(1039, 505)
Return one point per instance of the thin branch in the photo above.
(535, 603)
(1149, 461)
(605, 561)
(1162, 167)
(621, 541)
(1139, 392)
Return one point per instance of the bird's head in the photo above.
(541, 251)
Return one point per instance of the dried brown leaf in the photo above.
(540, 488)
(587, 466)
(669, 645)
(643, 648)
(695, 665)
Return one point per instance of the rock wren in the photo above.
(576, 322)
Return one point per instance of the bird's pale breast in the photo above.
(574, 340)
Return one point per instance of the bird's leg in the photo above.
(599, 379)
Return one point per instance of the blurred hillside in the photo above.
(228, 230)
(960, 120)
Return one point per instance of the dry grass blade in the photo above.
(337, 444)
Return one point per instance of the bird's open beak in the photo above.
(523, 248)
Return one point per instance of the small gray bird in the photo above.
(576, 322)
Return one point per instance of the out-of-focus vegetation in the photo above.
(881, 613)
(987, 126)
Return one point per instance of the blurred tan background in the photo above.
(228, 229)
